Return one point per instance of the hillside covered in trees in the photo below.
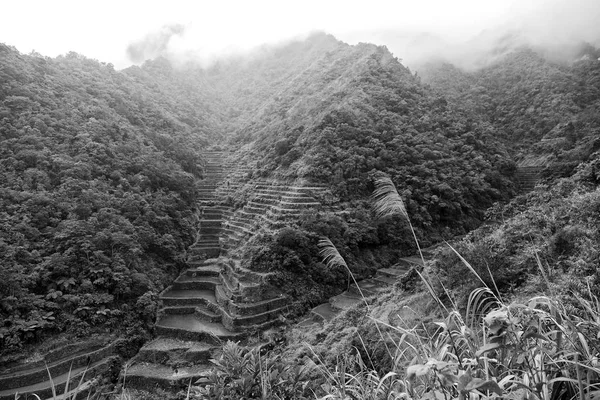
(97, 194)
(98, 165)
(99, 171)
(532, 267)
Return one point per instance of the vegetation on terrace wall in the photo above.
(293, 255)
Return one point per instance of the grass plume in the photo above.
(332, 258)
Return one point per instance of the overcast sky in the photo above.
(104, 29)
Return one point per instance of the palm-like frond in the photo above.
(331, 256)
(386, 199)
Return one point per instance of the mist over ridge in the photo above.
(557, 29)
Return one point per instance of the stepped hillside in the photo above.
(339, 117)
(334, 115)
(212, 301)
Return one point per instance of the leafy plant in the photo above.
(535, 349)
(243, 373)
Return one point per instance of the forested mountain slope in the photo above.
(98, 166)
(541, 249)
(97, 171)
(544, 111)
(322, 111)
(355, 110)
(548, 115)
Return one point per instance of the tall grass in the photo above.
(534, 349)
(387, 202)
(332, 258)
(69, 393)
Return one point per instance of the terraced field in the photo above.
(528, 177)
(216, 299)
(78, 364)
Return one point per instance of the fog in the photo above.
(469, 33)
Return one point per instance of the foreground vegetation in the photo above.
(535, 349)
(433, 346)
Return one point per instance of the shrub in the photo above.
(244, 373)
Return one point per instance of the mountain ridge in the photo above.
(100, 167)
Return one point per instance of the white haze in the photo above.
(461, 31)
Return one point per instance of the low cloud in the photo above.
(557, 29)
(154, 44)
(470, 36)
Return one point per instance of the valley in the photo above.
(152, 216)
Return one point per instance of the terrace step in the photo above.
(205, 243)
(345, 301)
(190, 327)
(238, 322)
(170, 351)
(394, 273)
(79, 356)
(174, 297)
(150, 376)
(187, 282)
(44, 388)
(206, 312)
(298, 205)
(385, 280)
(324, 312)
(254, 308)
(207, 251)
(412, 260)
(368, 287)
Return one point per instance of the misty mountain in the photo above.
(543, 110)
(356, 110)
(98, 166)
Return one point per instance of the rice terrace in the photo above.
(303, 201)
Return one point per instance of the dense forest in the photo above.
(342, 116)
(97, 194)
(98, 173)
(547, 113)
